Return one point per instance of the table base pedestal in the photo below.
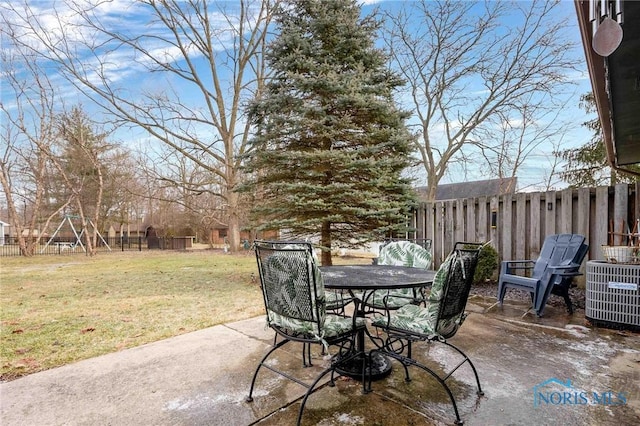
(379, 369)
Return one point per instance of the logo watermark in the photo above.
(554, 391)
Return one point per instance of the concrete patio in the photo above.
(202, 378)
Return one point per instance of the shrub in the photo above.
(487, 265)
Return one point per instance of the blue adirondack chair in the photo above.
(562, 287)
(559, 261)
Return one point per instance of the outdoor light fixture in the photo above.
(549, 206)
(606, 20)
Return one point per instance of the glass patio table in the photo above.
(362, 280)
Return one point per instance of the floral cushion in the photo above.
(412, 318)
(400, 253)
(405, 253)
(423, 319)
(391, 299)
(334, 325)
(290, 309)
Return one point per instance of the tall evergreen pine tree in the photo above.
(331, 144)
(587, 165)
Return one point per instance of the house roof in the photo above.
(479, 188)
(616, 84)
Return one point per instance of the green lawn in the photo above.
(56, 310)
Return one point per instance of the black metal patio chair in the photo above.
(294, 298)
(438, 321)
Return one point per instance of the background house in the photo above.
(4, 231)
(478, 188)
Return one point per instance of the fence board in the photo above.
(460, 227)
(449, 234)
(620, 224)
(550, 213)
(471, 220)
(566, 212)
(419, 222)
(493, 231)
(430, 227)
(483, 223)
(583, 210)
(534, 233)
(439, 230)
(520, 242)
(601, 218)
(507, 227)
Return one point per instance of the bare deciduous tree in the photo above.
(468, 62)
(28, 133)
(506, 142)
(203, 61)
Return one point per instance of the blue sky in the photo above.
(533, 175)
(131, 76)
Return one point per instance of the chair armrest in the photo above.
(508, 266)
(570, 270)
(527, 264)
(567, 265)
(562, 275)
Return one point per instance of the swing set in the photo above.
(78, 242)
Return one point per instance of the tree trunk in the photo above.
(88, 246)
(325, 242)
(233, 222)
(432, 189)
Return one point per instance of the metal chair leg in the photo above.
(255, 375)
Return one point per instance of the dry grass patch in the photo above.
(57, 310)
(60, 309)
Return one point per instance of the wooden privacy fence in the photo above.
(516, 224)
